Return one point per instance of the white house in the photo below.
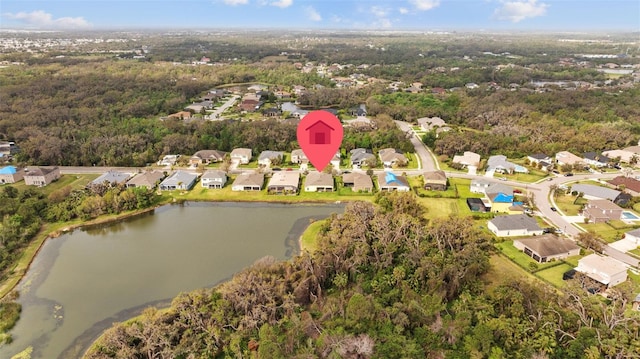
(514, 225)
(241, 155)
(213, 179)
(602, 269)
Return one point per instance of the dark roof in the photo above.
(549, 245)
(515, 222)
(594, 156)
(539, 156)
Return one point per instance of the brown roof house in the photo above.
(630, 184)
(298, 156)
(206, 157)
(358, 182)
(601, 210)
(547, 247)
(11, 174)
(388, 181)
(248, 181)
(41, 176)
(435, 180)
(284, 182)
(149, 179)
(318, 182)
(390, 157)
(603, 269)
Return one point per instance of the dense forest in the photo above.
(383, 283)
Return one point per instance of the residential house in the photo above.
(241, 155)
(601, 210)
(500, 164)
(199, 107)
(468, 159)
(362, 157)
(272, 112)
(284, 182)
(568, 158)
(41, 176)
(501, 198)
(359, 111)
(182, 115)
(514, 225)
(547, 247)
(318, 182)
(149, 179)
(206, 157)
(8, 148)
(11, 174)
(389, 181)
(390, 157)
(624, 155)
(435, 180)
(335, 161)
(213, 179)
(248, 181)
(479, 185)
(540, 159)
(110, 178)
(603, 269)
(629, 184)
(358, 182)
(282, 94)
(633, 236)
(595, 159)
(267, 158)
(431, 123)
(179, 180)
(257, 87)
(298, 156)
(299, 90)
(590, 191)
(250, 105)
(168, 160)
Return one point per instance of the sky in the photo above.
(429, 15)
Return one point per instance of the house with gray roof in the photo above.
(595, 159)
(41, 176)
(514, 225)
(388, 181)
(590, 191)
(430, 123)
(633, 236)
(500, 164)
(206, 157)
(298, 156)
(284, 182)
(11, 174)
(213, 179)
(435, 180)
(362, 157)
(248, 181)
(267, 158)
(318, 182)
(149, 179)
(479, 185)
(179, 180)
(111, 178)
(547, 247)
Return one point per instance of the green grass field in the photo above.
(75, 181)
(554, 274)
(569, 205)
(309, 239)
(606, 231)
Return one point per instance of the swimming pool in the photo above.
(629, 216)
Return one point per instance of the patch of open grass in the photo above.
(309, 239)
(523, 260)
(503, 270)
(76, 181)
(554, 274)
(569, 205)
(607, 232)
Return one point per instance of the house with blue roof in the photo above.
(11, 174)
(389, 181)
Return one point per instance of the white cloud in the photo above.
(235, 2)
(282, 3)
(425, 5)
(403, 10)
(43, 19)
(383, 23)
(379, 11)
(516, 11)
(312, 13)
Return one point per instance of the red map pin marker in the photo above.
(320, 136)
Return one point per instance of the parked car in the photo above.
(569, 174)
(554, 209)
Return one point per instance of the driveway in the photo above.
(215, 115)
(424, 155)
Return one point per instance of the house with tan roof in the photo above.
(547, 247)
(358, 181)
(241, 155)
(284, 182)
(206, 157)
(624, 155)
(568, 158)
(318, 182)
(468, 159)
(149, 179)
(435, 180)
(41, 176)
(298, 156)
(431, 123)
(601, 210)
(390, 157)
(248, 181)
(603, 269)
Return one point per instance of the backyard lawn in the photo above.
(554, 274)
(76, 181)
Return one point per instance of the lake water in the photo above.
(82, 282)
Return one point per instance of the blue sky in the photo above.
(517, 15)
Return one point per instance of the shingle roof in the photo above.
(596, 191)
(179, 177)
(514, 222)
(270, 155)
(208, 174)
(249, 179)
(146, 179)
(111, 177)
(630, 183)
(319, 179)
(549, 245)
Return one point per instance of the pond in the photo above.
(82, 282)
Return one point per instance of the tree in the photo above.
(592, 241)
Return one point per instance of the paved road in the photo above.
(426, 159)
(215, 115)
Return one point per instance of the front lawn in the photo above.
(607, 232)
(569, 205)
